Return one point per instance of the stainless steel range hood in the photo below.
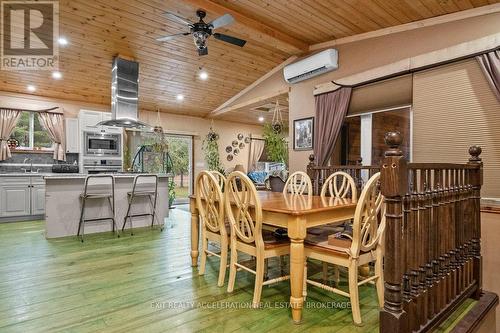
(125, 95)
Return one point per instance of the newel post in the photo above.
(476, 180)
(394, 185)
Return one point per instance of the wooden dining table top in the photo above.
(296, 204)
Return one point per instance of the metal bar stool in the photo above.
(144, 188)
(97, 189)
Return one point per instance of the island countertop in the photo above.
(82, 176)
(64, 190)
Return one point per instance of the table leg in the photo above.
(297, 233)
(195, 232)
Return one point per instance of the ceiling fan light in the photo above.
(200, 39)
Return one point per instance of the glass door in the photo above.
(180, 148)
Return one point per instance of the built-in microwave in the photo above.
(102, 144)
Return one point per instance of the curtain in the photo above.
(331, 109)
(490, 64)
(256, 150)
(8, 120)
(54, 124)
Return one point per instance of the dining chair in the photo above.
(221, 179)
(338, 185)
(244, 211)
(298, 183)
(366, 246)
(210, 204)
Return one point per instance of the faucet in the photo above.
(31, 164)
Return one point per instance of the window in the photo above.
(30, 134)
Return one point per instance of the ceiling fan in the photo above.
(201, 31)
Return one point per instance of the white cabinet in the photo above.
(89, 120)
(72, 136)
(21, 196)
(37, 199)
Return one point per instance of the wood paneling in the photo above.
(454, 108)
(275, 30)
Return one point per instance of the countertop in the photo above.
(47, 175)
(56, 176)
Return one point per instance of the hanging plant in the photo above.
(276, 145)
(210, 147)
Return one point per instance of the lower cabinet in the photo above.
(22, 196)
(37, 199)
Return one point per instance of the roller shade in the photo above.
(454, 108)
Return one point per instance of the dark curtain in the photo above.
(331, 109)
(490, 64)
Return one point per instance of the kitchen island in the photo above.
(62, 205)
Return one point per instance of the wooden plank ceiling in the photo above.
(275, 29)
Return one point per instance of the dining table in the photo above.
(293, 212)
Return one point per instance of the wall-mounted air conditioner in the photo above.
(317, 64)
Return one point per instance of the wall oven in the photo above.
(102, 144)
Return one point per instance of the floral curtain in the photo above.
(8, 121)
(54, 124)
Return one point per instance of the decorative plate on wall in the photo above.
(229, 158)
(240, 136)
(235, 143)
(247, 140)
(242, 145)
(236, 151)
(229, 149)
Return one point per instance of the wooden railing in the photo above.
(432, 240)
(432, 257)
(360, 173)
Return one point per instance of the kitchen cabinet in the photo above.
(89, 120)
(72, 136)
(21, 196)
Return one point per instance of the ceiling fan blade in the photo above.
(202, 52)
(225, 19)
(170, 37)
(178, 18)
(230, 39)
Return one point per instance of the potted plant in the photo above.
(210, 147)
(171, 192)
(276, 144)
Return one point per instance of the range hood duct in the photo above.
(125, 95)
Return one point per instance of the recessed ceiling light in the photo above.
(180, 97)
(203, 75)
(56, 75)
(62, 41)
(261, 119)
(31, 88)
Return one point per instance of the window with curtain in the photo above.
(30, 134)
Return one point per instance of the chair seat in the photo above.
(96, 195)
(141, 193)
(271, 241)
(329, 229)
(320, 243)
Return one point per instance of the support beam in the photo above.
(464, 14)
(221, 108)
(282, 41)
(250, 102)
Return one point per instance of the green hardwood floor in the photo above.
(144, 283)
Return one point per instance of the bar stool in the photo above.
(96, 188)
(145, 186)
